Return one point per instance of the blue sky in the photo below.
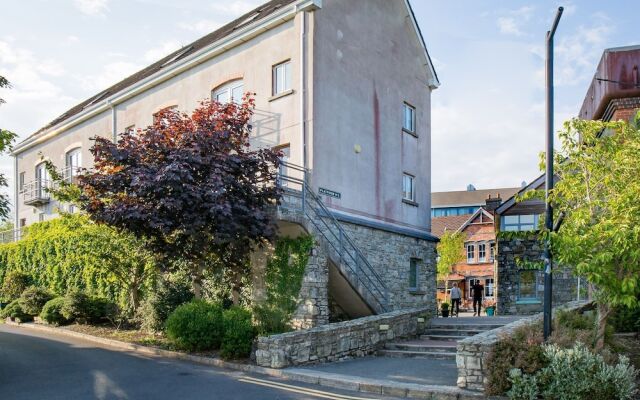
(488, 114)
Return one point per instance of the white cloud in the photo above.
(510, 24)
(201, 27)
(111, 73)
(92, 7)
(163, 50)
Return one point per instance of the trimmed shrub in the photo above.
(52, 312)
(155, 310)
(14, 310)
(238, 333)
(196, 326)
(15, 282)
(33, 299)
(83, 309)
(575, 374)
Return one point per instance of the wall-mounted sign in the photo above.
(329, 193)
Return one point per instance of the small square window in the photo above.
(408, 187)
(413, 274)
(409, 119)
(281, 77)
(21, 181)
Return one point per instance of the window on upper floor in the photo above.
(409, 118)
(229, 92)
(42, 175)
(482, 252)
(492, 252)
(73, 163)
(408, 187)
(130, 129)
(158, 114)
(281, 77)
(449, 211)
(519, 223)
(471, 253)
(21, 181)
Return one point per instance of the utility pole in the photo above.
(548, 282)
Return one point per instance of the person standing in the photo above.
(456, 296)
(477, 291)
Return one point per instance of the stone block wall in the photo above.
(390, 255)
(313, 300)
(339, 341)
(472, 352)
(509, 250)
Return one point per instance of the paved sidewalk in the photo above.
(421, 371)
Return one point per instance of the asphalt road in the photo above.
(39, 366)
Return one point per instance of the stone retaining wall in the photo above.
(473, 352)
(342, 340)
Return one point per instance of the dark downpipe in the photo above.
(548, 282)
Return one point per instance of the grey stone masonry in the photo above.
(531, 250)
(472, 353)
(339, 341)
(313, 300)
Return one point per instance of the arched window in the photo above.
(230, 91)
(73, 163)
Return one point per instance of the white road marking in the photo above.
(300, 389)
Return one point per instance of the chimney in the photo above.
(492, 203)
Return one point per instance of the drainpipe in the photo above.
(114, 131)
(303, 92)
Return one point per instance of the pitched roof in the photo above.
(450, 223)
(246, 19)
(479, 211)
(468, 197)
(511, 201)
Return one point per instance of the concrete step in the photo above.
(466, 327)
(423, 346)
(452, 332)
(440, 355)
(451, 338)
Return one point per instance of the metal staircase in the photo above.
(299, 200)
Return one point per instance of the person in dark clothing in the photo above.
(478, 293)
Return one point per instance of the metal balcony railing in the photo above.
(36, 192)
(299, 196)
(11, 235)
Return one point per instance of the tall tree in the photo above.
(190, 185)
(6, 141)
(450, 252)
(598, 191)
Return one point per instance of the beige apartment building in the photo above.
(343, 88)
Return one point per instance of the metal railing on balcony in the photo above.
(36, 192)
(10, 235)
(299, 196)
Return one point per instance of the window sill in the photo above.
(528, 301)
(417, 292)
(410, 202)
(281, 95)
(405, 130)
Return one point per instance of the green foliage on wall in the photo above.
(519, 235)
(283, 280)
(529, 265)
(73, 253)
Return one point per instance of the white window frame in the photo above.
(406, 107)
(281, 77)
(492, 251)
(518, 226)
(489, 287)
(472, 247)
(226, 91)
(482, 252)
(408, 193)
(73, 155)
(21, 181)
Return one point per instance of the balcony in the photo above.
(36, 193)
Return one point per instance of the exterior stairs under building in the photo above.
(440, 339)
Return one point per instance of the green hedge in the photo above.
(72, 253)
(238, 333)
(196, 326)
(52, 312)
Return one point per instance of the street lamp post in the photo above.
(549, 178)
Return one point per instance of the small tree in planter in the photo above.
(444, 309)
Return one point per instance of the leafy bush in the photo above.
(238, 333)
(196, 326)
(625, 319)
(14, 310)
(33, 299)
(522, 350)
(155, 310)
(15, 282)
(52, 312)
(575, 374)
(80, 307)
(271, 320)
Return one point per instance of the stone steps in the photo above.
(439, 341)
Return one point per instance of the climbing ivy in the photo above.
(528, 265)
(283, 280)
(522, 235)
(73, 253)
